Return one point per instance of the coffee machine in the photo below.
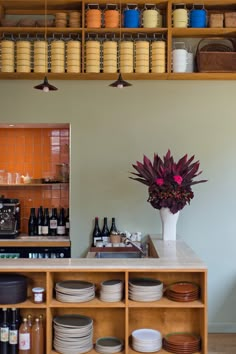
(9, 218)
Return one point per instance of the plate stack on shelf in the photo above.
(111, 290)
(179, 343)
(145, 289)
(73, 334)
(183, 292)
(75, 291)
(146, 340)
(107, 345)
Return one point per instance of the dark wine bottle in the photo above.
(45, 225)
(68, 222)
(113, 228)
(40, 221)
(13, 333)
(4, 333)
(32, 224)
(105, 232)
(53, 223)
(61, 223)
(96, 232)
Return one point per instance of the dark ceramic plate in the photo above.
(144, 282)
(72, 321)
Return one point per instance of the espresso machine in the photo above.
(9, 218)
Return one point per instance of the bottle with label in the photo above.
(105, 232)
(61, 223)
(13, 333)
(4, 333)
(53, 223)
(96, 232)
(37, 338)
(45, 225)
(113, 228)
(24, 338)
(68, 222)
(40, 221)
(32, 224)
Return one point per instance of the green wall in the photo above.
(112, 128)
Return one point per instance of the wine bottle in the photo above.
(37, 338)
(32, 224)
(105, 232)
(61, 224)
(45, 226)
(53, 223)
(24, 338)
(40, 221)
(13, 333)
(68, 222)
(113, 228)
(96, 232)
(4, 333)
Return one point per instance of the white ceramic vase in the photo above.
(169, 222)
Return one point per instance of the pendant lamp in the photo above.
(45, 86)
(120, 83)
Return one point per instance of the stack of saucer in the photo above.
(73, 334)
(111, 290)
(187, 343)
(145, 289)
(146, 340)
(74, 291)
(107, 345)
(183, 292)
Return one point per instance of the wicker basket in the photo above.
(216, 57)
(216, 20)
(230, 19)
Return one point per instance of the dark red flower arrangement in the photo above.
(169, 183)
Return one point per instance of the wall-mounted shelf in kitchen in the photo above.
(33, 185)
(165, 32)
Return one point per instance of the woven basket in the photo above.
(218, 56)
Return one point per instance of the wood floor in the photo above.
(222, 343)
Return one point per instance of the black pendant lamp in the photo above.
(45, 86)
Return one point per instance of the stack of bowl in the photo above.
(158, 57)
(7, 56)
(40, 56)
(75, 19)
(142, 56)
(127, 56)
(73, 49)
(110, 57)
(61, 19)
(23, 56)
(93, 53)
(58, 56)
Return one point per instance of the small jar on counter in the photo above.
(38, 295)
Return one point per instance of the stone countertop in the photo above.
(172, 255)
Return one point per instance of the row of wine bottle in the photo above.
(104, 233)
(48, 225)
(21, 336)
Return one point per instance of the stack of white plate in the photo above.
(108, 345)
(146, 340)
(74, 291)
(145, 289)
(73, 334)
(111, 290)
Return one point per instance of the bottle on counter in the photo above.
(68, 222)
(105, 232)
(113, 228)
(13, 333)
(96, 232)
(61, 223)
(32, 224)
(45, 225)
(24, 338)
(53, 223)
(4, 333)
(37, 338)
(39, 221)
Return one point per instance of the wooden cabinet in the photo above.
(119, 318)
(167, 32)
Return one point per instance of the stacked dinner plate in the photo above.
(107, 345)
(111, 290)
(146, 340)
(74, 291)
(145, 289)
(73, 334)
(179, 343)
(183, 291)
